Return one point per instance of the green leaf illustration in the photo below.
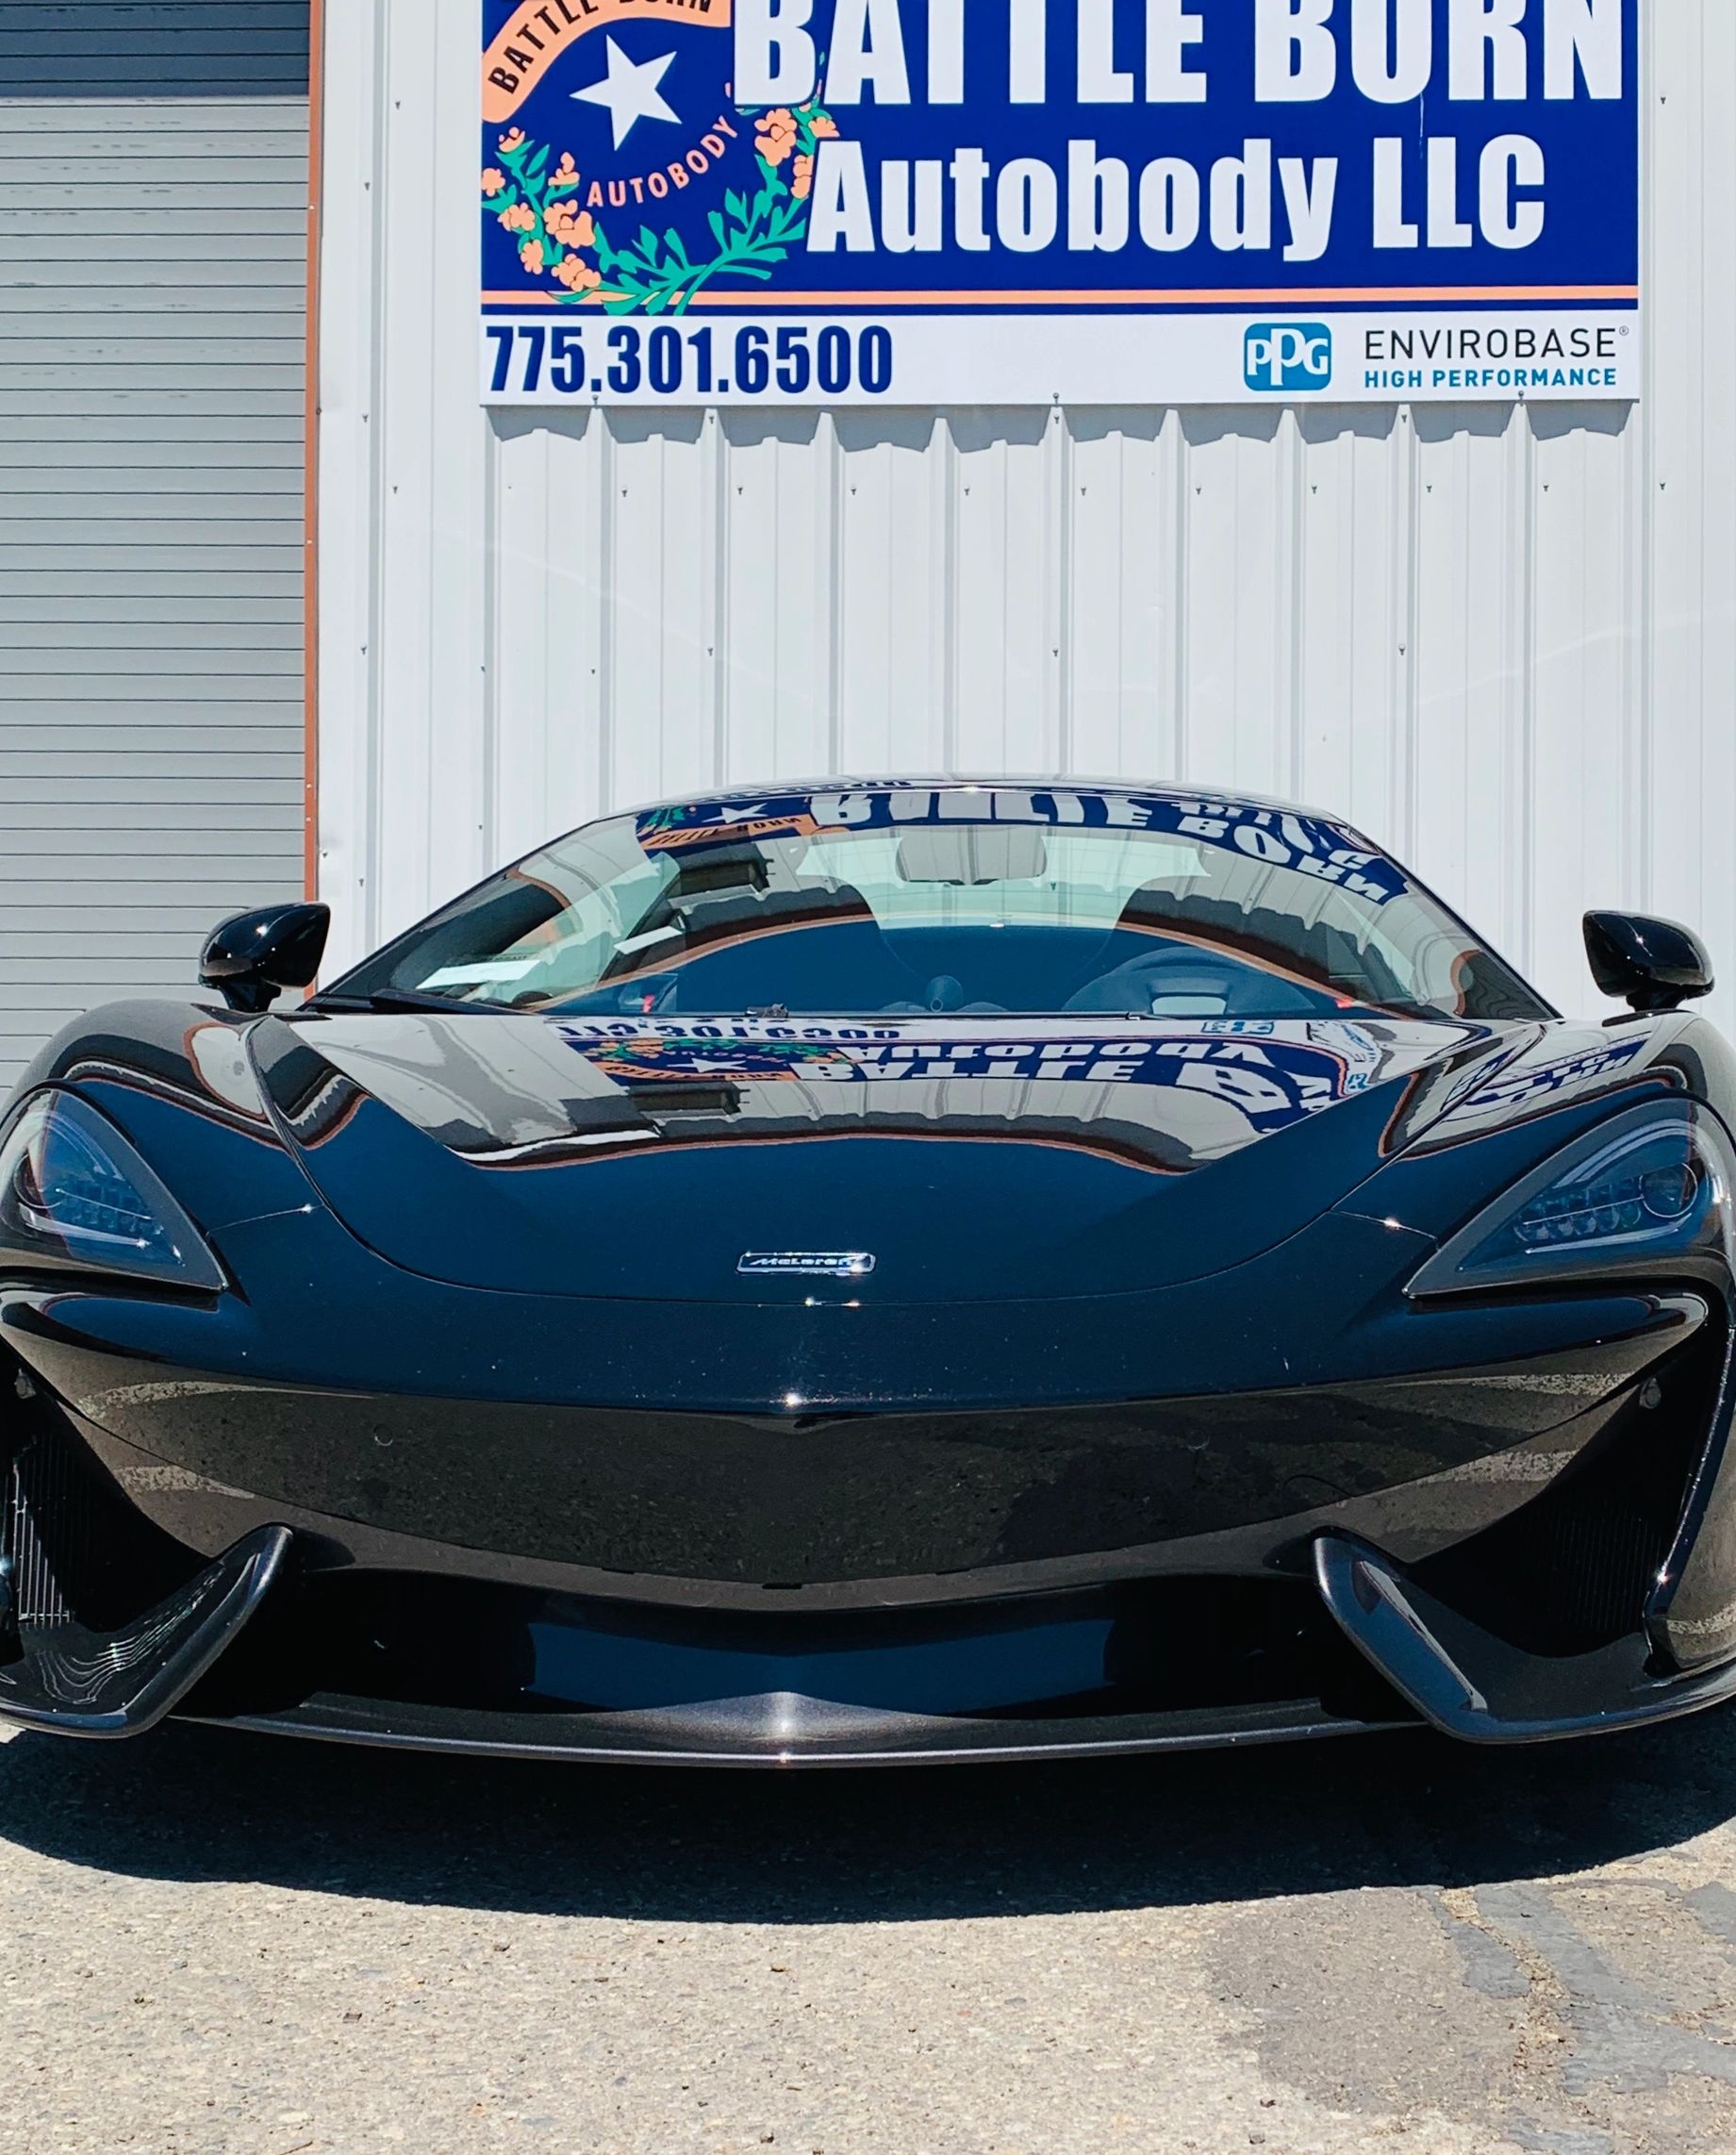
(655, 274)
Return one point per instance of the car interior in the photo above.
(741, 942)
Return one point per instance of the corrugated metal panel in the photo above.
(152, 331)
(153, 48)
(1503, 642)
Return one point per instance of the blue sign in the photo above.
(845, 201)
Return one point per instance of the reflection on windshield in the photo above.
(904, 901)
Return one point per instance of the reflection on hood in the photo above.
(1271, 1072)
(1543, 1068)
(512, 1089)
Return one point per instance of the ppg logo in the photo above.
(1278, 356)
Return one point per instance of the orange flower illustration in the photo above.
(570, 226)
(559, 243)
(776, 138)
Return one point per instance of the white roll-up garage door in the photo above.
(153, 233)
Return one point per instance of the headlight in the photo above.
(1651, 1185)
(74, 1192)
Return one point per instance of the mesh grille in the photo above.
(46, 1530)
(1601, 1564)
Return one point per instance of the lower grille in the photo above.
(46, 1530)
(1596, 1564)
(1143, 1646)
(76, 1550)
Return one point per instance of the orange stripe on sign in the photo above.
(1352, 296)
(525, 50)
(818, 302)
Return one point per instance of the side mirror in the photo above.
(251, 957)
(1651, 964)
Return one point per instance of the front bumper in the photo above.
(833, 1508)
(1499, 1593)
(1497, 1598)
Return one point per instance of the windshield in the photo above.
(975, 900)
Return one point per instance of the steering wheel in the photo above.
(1138, 983)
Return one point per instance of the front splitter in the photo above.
(787, 1730)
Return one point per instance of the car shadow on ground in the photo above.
(684, 1844)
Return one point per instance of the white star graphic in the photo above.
(630, 91)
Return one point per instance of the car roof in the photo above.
(1022, 782)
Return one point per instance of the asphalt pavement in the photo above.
(223, 1943)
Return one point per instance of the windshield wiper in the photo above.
(397, 999)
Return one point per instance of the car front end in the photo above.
(593, 1379)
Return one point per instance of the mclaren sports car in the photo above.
(879, 1271)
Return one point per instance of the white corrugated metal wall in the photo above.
(1505, 643)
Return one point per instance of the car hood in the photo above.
(968, 1159)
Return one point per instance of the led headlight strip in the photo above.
(74, 1192)
(1650, 1184)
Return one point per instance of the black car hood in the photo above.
(969, 1158)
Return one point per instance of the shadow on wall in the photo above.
(889, 1845)
(976, 427)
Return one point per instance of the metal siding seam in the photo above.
(1057, 591)
(1716, 494)
(459, 557)
(717, 622)
(378, 364)
(515, 528)
(489, 761)
(1179, 472)
(1294, 450)
(1646, 651)
(1636, 780)
(1187, 518)
(1405, 512)
(352, 367)
(833, 599)
(589, 466)
(608, 539)
(400, 625)
(1718, 788)
(412, 891)
(1518, 839)
(310, 456)
(948, 478)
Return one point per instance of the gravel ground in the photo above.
(216, 1943)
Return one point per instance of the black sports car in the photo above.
(882, 1271)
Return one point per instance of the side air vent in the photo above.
(1571, 1571)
